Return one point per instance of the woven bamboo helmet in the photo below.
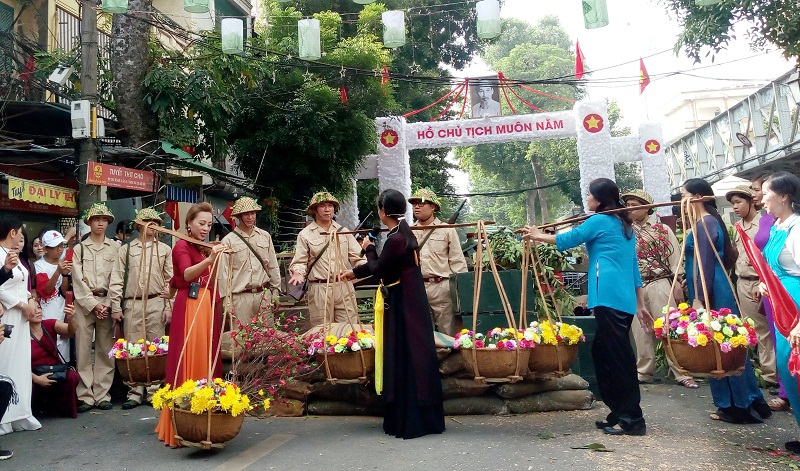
(322, 197)
(640, 195)
(743, 190)
(98, 209)
(245, 204)
(426, 195)
(148, 214)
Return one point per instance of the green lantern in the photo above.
(394, 28)
(115, 6)
(195, 6)
(308, 39)
(488, 13)
(595, 14)
(363, 2)
(232, 35)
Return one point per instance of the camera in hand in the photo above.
(7, 328)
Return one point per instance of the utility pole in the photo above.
(87, 149)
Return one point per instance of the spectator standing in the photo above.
(51, 276)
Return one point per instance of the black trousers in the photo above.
(615, 367)
(6, 391)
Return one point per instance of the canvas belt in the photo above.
(321, 281)
(435, 279)
(749, 278)
(100, 293)
(150, 296)
(256, 290)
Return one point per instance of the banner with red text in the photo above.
(120, 177)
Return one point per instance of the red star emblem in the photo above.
(593, 123)
(652, 146)
(389, 138)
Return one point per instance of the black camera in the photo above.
(7, 328)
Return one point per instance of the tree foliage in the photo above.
(770, 21)
(266, 107)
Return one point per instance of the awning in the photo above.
(186, 161)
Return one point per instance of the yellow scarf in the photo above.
(379, 303)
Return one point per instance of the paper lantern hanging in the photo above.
(308, 39)
(705, 3)
(232, 35)
(394, 28)
(195, 6)
(363, 2)
(115, 6)
(595, 14)
(488, 12)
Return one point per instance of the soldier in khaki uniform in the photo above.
(91, 271)
(659, 253)
(256, 279)
(129, 287)
(747, 280)
(439, 258)
(311, 246)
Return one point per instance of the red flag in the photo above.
(227, 215)
(578, 61)
(384, 75)
(172, 211)
(644, 79)
(343, 93)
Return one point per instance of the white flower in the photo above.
(492, 346)
(742, 331)
(355, 347)
(716, 325)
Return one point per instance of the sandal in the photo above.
(689, 383)
(778, 405)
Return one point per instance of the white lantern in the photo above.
(308, 39)
(595, 13)
(705, 3)
(363, 2)
(394, 28)
(232, 35)
(115, 6)
(488, 12)
(195, 6)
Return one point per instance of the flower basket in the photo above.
(552, 360)
(141, 371)
(193, 429)
(348, 366)
(706, 361)
(495, 365)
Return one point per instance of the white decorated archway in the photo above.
(587, 122)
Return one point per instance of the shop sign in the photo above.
(27, 190)
(120, 177)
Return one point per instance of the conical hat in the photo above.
(97, 209)
(245, 204)
(425, 195)
(640, 195)
(148, 214)
(322, 197)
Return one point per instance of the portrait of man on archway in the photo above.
(485, 98)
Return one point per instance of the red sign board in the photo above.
(120, 177)
(7, 204)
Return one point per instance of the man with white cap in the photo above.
(91, 271)
(129, 287)
(659, 254)
(311, 262)
(254, 275)
(440, 256)
(51, 274)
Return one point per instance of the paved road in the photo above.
(680, 436)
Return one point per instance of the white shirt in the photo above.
(789, 258)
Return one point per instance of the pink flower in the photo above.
(479, 344)
(725, 346)
(693, 341)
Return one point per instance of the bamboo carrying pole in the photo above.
(419, 228)
(616, 211)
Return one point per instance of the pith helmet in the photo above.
(97, 209)
(743, 190)
(245, 204)
(424, 195)
(148, 214)
(322, 197)
(640, 195)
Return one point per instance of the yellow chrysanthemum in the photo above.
(683, 306)
(702, 340)
(719, 337)
(659, 323)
